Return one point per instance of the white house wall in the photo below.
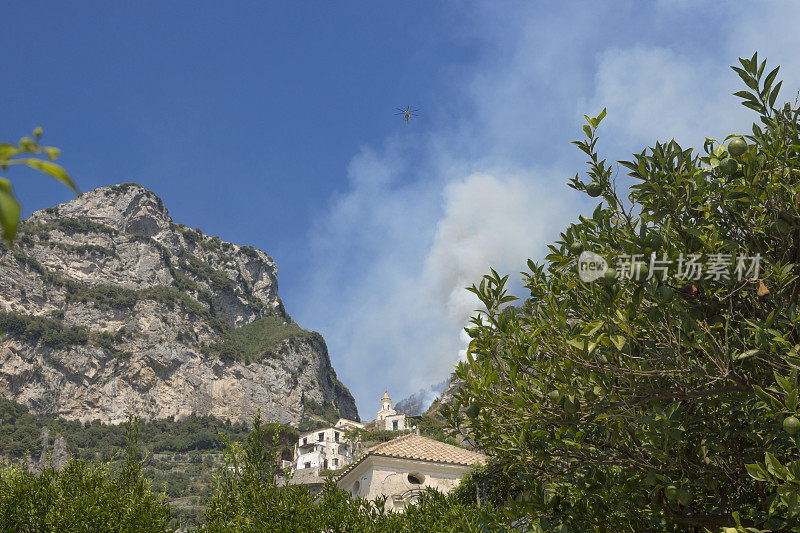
(388, 476)
(328, 448)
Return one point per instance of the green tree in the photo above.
(26, 152)
(658, 402)
(84, 496)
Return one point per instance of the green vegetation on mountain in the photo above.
(258, 340)
(179, 457)
(325, 410)
(217, 279)
(51, 332)
(21, 434)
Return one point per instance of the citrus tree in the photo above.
(649, 382)
(27, 152)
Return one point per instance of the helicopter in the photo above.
(407, 113)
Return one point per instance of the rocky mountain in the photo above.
(452, 386)
(108, 308)
(418, 403)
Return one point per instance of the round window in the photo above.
(415, 478)
(356, 487)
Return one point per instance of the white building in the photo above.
(402, 467)
(346, 424)
(323, 448)
(387, 417)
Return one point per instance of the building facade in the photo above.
(346, 424)
(387, 418)
(401, 468)
(324, 449)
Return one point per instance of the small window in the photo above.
(336, 436)
(321, 437)
(336, 462)
(394, 425)
(308, 465)
(326, 464)
(305, 441)
(415, 478)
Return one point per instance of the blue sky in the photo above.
(273, 124)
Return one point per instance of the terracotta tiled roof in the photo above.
(345, 420)
(414, 446)
(417, 447)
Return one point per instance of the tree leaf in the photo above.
(756, 471)
(9, 213)
(53, 170)
(745, 355)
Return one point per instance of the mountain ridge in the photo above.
(109, 307)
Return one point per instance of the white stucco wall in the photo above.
(318, 451)
(312, 457)
(377, 476)
(401, 422)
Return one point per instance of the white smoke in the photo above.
(429, 211)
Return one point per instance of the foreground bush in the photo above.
(84, 496)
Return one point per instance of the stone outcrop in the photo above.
(109, 308)
(419, 402)
(452, 386)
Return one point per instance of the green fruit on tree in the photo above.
(554, 395)
(671, 492)
(609, 275)
(684, 496)
(594, 189)
(737, 147)
(651, 477)
(665, 293)
(576, 248)
(473, 410)
(783, 226)
(728, 166)
(640, 271)
(791, 425)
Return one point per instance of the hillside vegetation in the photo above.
(258, 340)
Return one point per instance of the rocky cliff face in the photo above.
(418, 403)
(108, 308)
(451, 387)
